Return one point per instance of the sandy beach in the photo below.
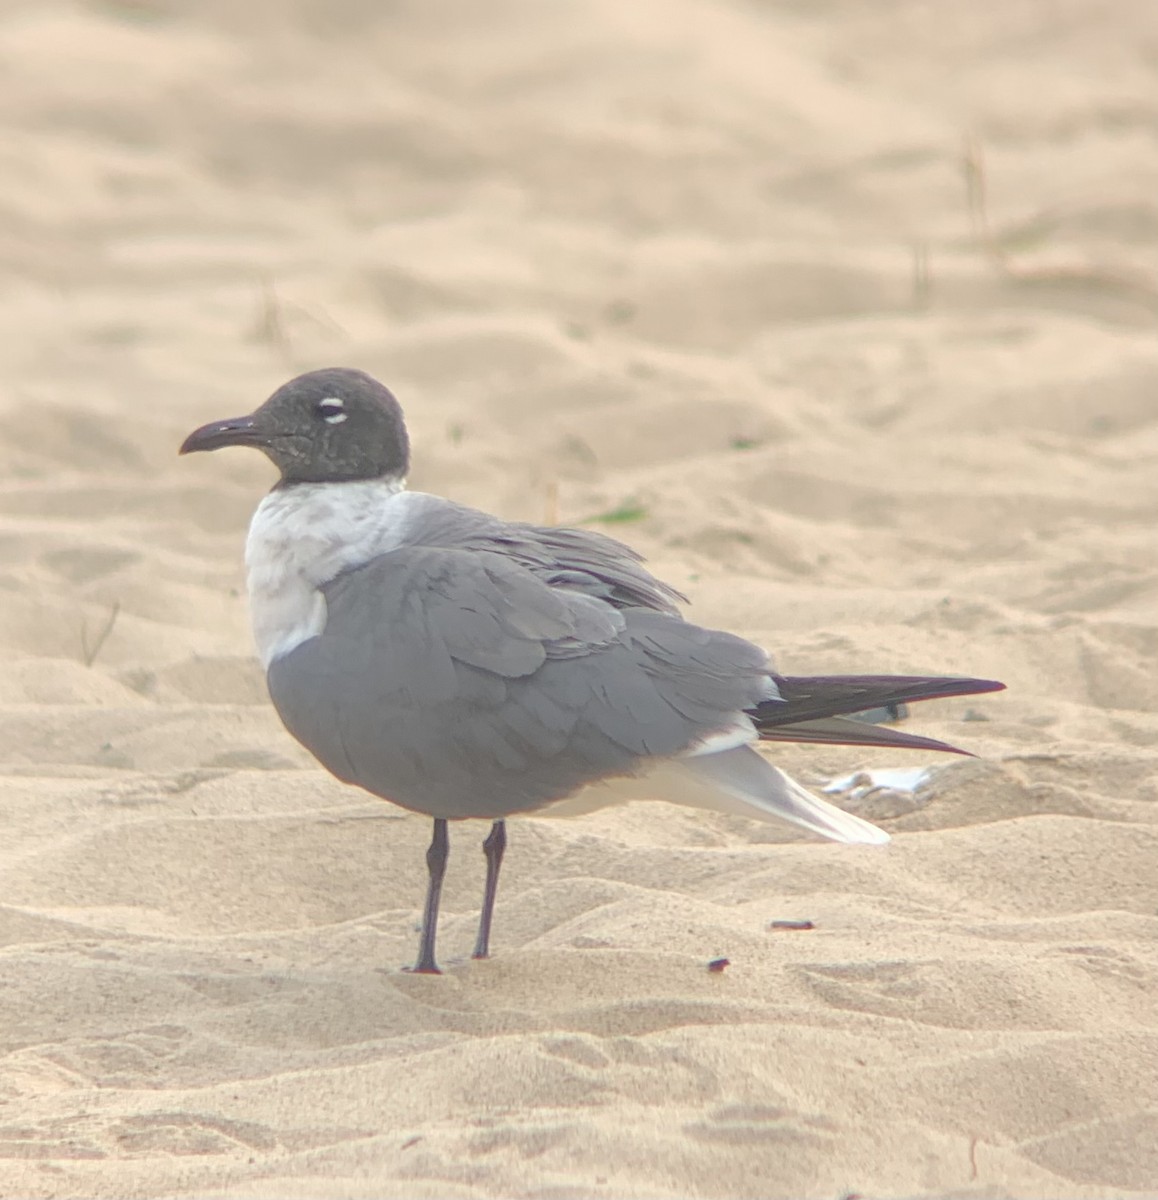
(847, 317)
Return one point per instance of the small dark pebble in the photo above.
(718, 964)
(791, 925)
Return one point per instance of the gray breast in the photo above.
(459, 683)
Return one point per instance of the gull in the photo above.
(471, 668)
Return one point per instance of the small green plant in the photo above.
(629, 510)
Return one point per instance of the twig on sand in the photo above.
(269, 328)
(977, 198)
(89, 653)
(922, 276)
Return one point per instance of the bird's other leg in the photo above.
(436, 857)
(493, 848)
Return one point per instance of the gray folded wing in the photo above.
(476, 683)
(577, 559)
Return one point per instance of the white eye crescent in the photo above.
(332, 410)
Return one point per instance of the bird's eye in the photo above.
(332, 410)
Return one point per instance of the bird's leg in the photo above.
(436, 857)
(493, 848)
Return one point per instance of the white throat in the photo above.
(300, 538)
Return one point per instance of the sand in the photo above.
(846, 314)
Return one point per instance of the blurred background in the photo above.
(844, 312)
(675, 264)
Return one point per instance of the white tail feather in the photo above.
(764, 790)
(737, 781)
